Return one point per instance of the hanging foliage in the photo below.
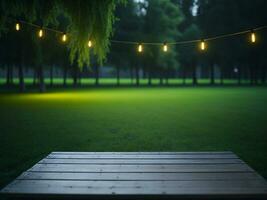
(88, 20)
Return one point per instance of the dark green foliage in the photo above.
(90, 19)
(143, 21)
(217, 17)
(161, 25)
(147, 21)
(128, 27)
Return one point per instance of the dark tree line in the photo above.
(232, 57)
(142, 21)
(83, 20)
(249, 60)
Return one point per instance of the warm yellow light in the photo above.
(64, 37)
(165, 48)
(17, 26)
(140, 48)
(89, 43)
(41, 33)
(202, 45)
(253, 37)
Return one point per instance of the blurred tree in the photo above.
(188, 53)
(186, 7)
(161, 25)
(17, 50)
(141, 21)
(88, 20)
(128, 27)
(236, 52)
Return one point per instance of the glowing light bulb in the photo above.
(202, 45)
(89, 43)
(41, 33)
(253, 37)
(17, 26)
(165, 47)
(64, 37)
(140, 48)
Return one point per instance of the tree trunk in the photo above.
(160, 77)
(51, 75)
(252, 65)
(35, 76)
(21, 78)
(96, 74)
(118, 75)
(80, 77)
(184, 76)
(131, 74)
(251, 74)
(167, 79)
(8, 71)
(137, 75)
(222, 74)
(11, 75)
(239, 76)
(194, 81)
(149, 77)
(212, 74)
(65, 73)
(144, 73)
(161, 80)
(256, 74)
(41, 78)
(263, 74)
(75, 76)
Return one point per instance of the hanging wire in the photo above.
(38, 26)
(158, 43)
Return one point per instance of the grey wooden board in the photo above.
(140, 161)
(139, 173)
(142, 153)
(137, 156)
(140, 168)
(138, 176)
(137, 187)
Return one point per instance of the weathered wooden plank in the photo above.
(137, 187)
(141, 168)
(154, 184)
(140, 161)
(140, 173)
(242, 193)
(157, 157)
(143, 153)
(139, 176)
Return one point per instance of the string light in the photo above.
(64, 37)
(165, 47)
(140, 48)
(202, 45)
(89, 43)
(41, 33)
(253, 37)
(17, 26)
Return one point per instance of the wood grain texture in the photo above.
(141, 161)
(111, 174)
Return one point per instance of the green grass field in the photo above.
(132, 119)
